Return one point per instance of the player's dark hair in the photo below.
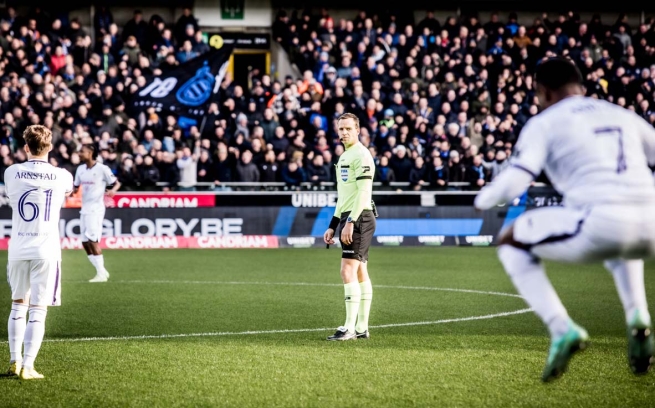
(92, 147)
(557, 72)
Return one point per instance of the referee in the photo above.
(355, 219)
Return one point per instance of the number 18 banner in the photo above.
(188, 89)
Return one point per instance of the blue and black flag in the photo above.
(187, 90)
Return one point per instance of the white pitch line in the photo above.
(256, 332)
(189, 282)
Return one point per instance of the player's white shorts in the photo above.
(91, 227)
(596, 234)
(38, 280)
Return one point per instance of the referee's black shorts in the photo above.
(363, 231)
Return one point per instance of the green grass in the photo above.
(494, 362)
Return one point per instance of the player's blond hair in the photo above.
(38, 138)
(350, 116)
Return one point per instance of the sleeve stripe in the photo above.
(364, 178)
(518, 166)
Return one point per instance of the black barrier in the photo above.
(311, 199)
(396, 240)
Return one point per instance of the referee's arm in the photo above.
(328, 236)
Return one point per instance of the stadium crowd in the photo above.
(438, 101)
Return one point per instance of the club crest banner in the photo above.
(188, 89)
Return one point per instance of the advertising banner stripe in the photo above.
(285, 218)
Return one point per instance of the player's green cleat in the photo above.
(641, 344)
(562, 350)
(30, 374)
(14, 369)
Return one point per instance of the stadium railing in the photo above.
(306, 186)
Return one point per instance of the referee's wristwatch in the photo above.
(350, 219)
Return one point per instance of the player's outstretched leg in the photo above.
(16, 329)
(361, 328)
(629, 280)
(33, 339)
(529, 277)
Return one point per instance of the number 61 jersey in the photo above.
(36, 192)
(594, 152)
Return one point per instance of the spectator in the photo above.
(205, 168)
(456, 169)
(269, 124)
(128, 175)
(148, 174)
(186, 52)
(184, 23)
(418, 174)
(384, 173)
(187, 163)
(439, 173)
(130, 51)
(477, 174)
(269, 170)
(258, 151)
(199, 45)
(497, 164)
(223, 167)
(400, 163)
(136, 28)
(246, 170)
(318, 171)
(293, 174)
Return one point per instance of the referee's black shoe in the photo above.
(363, 335)
(342, 334)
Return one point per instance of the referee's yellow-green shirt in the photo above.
(355, 171)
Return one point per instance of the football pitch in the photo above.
(247, 328)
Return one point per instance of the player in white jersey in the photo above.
(36, 192)
(597, 155)
(94, 178)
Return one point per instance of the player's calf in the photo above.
(34, 338)
(16, 329)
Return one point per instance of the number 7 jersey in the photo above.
(594, 152)
(36, 192)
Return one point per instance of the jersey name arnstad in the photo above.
(28, 175)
